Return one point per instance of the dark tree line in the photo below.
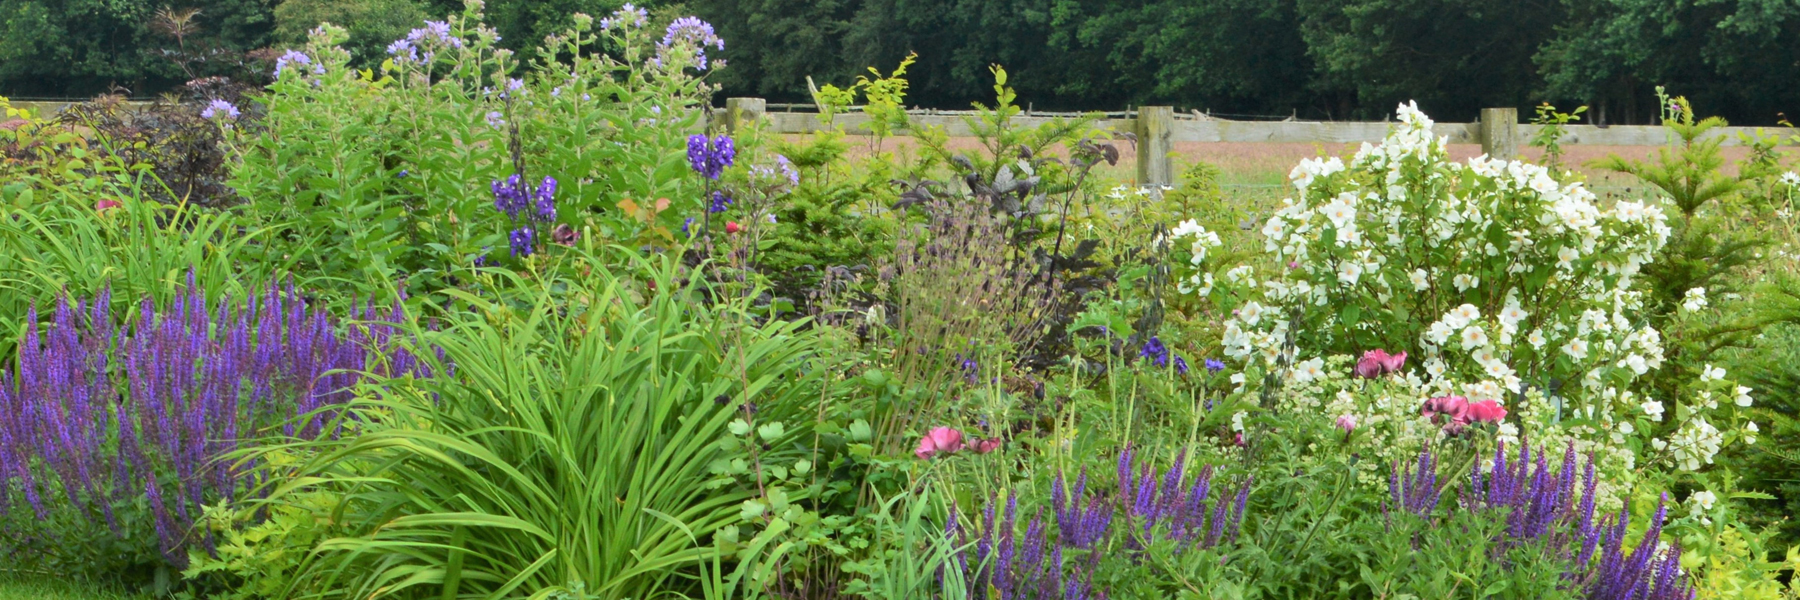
(1337, 59)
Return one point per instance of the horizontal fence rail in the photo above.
(1157, 128)
(1307, 132)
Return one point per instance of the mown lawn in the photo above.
(40, 587)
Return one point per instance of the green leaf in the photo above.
(772, 431)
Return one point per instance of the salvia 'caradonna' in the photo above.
(1151, 508)
(1541, 506)
(94, 414)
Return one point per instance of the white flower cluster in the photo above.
(1499, 281)
(1203, 239)
(1695, 444)
(1486, 270)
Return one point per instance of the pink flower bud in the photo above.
(988, 445)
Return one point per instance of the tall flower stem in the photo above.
(1344, 481)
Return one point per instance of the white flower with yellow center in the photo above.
(1565, 257)
(1463, 315)
(1340, 212)
(1629, 211)
(1512, 315)
(1308, 370)
(1576, 348)
(1349, 272)
(1473, 337)
(1439, 332)
(1250, 313)
(1420, 280)
(1435, 367)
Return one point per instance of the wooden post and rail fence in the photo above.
(1158, 128)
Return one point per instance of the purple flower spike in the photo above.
(710, 157)
(522, 241)
(93, 414)
(546, 201)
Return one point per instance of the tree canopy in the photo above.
(1335, 59)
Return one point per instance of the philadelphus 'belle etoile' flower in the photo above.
(1694, 300)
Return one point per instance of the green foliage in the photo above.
(916, 565)
(54, 244)
(377, 178)
(623, 415)
(372, 24)
(825, 221)
(83, 47)
(568, 452)
(1551, 129)
(1692, 172)
(1707, 251)
(1321, 58)
(263, 548)
(49, 586)
(1608, 54)
(1374, 53)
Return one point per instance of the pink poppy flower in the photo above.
(106, 204)
(1376, 363)
(939, 440)
(987, 445)
(1486, 411)
(1394, 362)
(1456, 408)
(1347, 423)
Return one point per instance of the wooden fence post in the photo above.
(743, 111)
(1155, 129)
(1500, 132)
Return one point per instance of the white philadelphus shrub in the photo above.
(1499, 281)
(1489, 273)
